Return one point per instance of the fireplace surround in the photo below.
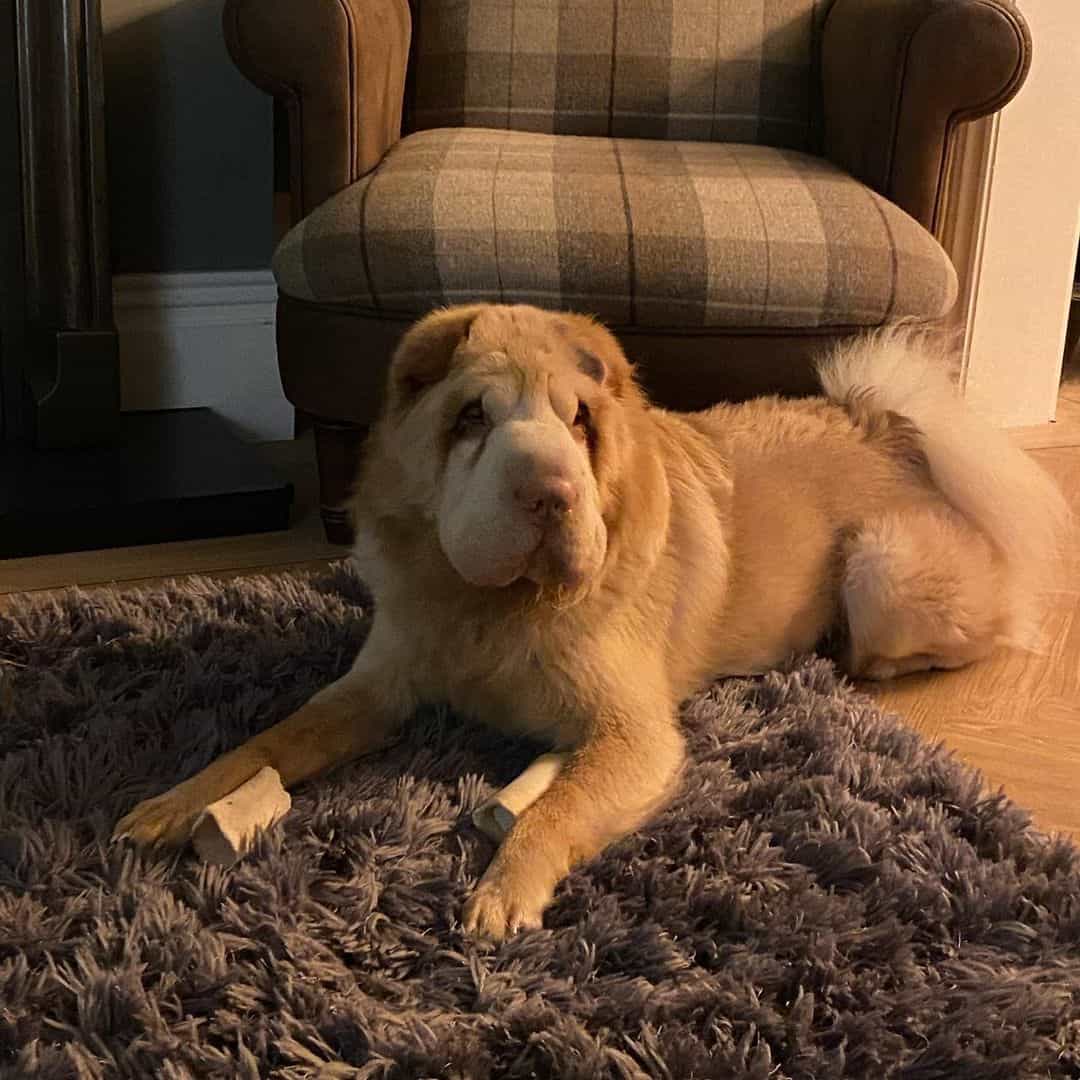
(76, 472)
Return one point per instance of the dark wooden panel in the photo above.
(79, 475)
(13, 418)
(179, 474)
(65, 206)
(70, 359)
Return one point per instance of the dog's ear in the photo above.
(600, 355)
(423, 355)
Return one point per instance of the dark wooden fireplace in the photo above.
(64, 378)
(76, 472)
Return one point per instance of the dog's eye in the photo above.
(583, 417)
(471, 417)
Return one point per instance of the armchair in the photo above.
(731, 186)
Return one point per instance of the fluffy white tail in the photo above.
(994, 484)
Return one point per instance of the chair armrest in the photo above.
(339, 68)
(899, 76)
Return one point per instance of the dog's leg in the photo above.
(921, 589)
(617, 779)
(355, 715)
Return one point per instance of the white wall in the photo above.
(190, 147)
(189, 141)
(1022, 250)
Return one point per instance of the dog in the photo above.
(553, 555)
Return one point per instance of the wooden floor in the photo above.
(1015, 716)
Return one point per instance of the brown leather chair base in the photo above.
(334, 360)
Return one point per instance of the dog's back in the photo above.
(885, 508)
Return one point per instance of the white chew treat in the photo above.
(225, 830)
(495, 817)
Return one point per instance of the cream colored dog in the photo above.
(551, 554)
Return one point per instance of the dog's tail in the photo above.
(994, 484)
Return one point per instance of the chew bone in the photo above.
(225, 830)
(495, 817)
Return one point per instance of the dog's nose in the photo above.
(547, 496)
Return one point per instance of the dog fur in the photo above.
(553, 555)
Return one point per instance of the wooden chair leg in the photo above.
(337, 448)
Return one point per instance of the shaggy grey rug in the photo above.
(828, 896)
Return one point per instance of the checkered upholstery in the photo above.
(639, 232)
(670, 69)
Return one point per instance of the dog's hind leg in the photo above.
(921, 588)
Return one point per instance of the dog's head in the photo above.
(505, 426)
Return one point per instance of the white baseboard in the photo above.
(197, 339)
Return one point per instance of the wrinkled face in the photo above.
(499, 417)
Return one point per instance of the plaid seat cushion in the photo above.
(638, 232)
(669, 69)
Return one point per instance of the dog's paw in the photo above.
(502, 905)
(164, 821)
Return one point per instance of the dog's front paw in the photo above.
(164, 821)
(504, 903)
